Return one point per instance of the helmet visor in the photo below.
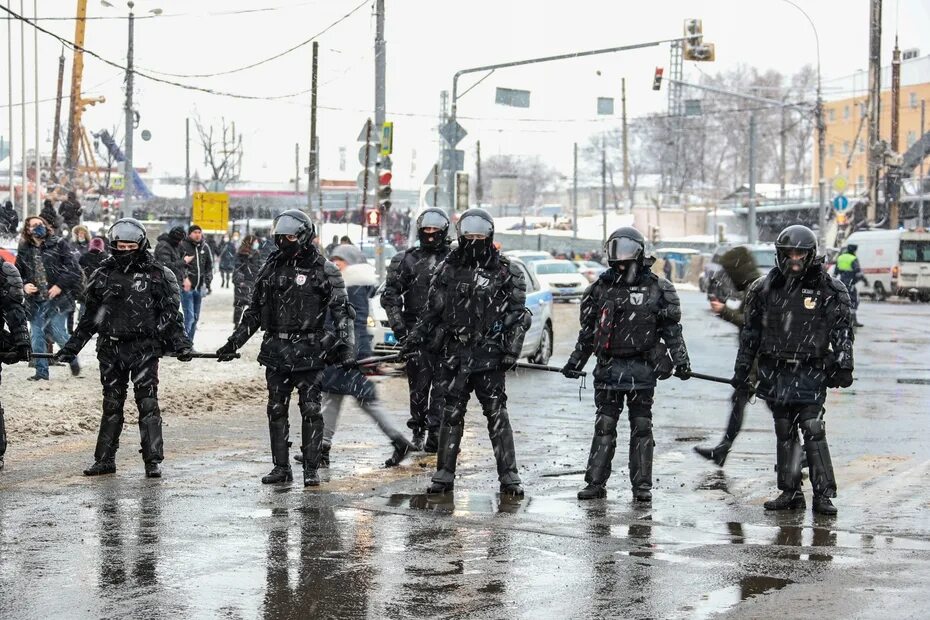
(623, 248)
(433, 219)
(128, 232)
(288, 225)
(475, 227)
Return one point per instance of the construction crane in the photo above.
(77, 136)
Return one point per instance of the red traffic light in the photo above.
(373, 218)
(657, 80)
(385, 178)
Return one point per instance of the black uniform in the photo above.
(131, 303)
(475, 321)
(798, 327)
(15, 338)
(292, 293)
(630, 321)
(405, 296)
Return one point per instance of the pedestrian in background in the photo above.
(51, 217)
(9, 219)
(198, 274)
(70, 211)
(248, 263)
(168, 252)
(228, 250)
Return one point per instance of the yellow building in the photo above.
(847, 127)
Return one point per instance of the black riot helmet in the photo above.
(293, 223)
(127, 230)
(476, 234)
(432, 217)
(626, 251)
(796, 249)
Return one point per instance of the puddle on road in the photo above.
(750, 586)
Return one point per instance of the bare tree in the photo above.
(533, 177)
(222, 152)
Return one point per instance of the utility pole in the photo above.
(892, 197)
(22, 75)
(603, 189)
(35, 51)
(479, 190)
(626, 146)
(575, 193)
(380, 105)
(783, 158)
(920, 207)
(874, 107)
(297, 168)
(9, 91)
(57, 129)
(129, 181)
(187, 157)
(312, 162)
(752, 234)
(72, 144)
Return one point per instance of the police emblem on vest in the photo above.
(301, 279)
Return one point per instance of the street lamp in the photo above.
(821, 136)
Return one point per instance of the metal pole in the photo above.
(9, 85)
(380, 75)
(297, 168)
(752, 234)
(875, 86)
(575, 192)
(22, 60)
(479, 190)
(821, 171)
(187, 157)
(35, 53)
(626, 146)
(57, 129)
(603, 189)
(129, 181)
(893, 206)
(312, 165)
(783, 156)
(920, 207)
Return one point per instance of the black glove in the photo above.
(23, 352)
(226, 353)
(508, 362)
(185, 354)
(841, 377)
(683, 371)
(411, 344)
(740, 383)
(65, 355)
(572, 368)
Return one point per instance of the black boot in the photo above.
(501, 434)
(417, 440)
(823, 506)
(642, 495)
(717, 454)
(592, 491)
(99, 468)
(788, 500)
(278, 474)
(641, 448)
(512, 490)
(432, 441)
(324, 456)
(152, 470)
(450, 439)
(820, 465)
(402, 448)
(311, 435)
(153, 445)
(440, 488)
(311, 477)
(111, 425)
(787, 456)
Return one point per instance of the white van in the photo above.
(878, 253)
(914, 278)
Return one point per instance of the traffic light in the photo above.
(657, 80)
(373, 222)
(694, 46)
(384, 191)
(105, 210)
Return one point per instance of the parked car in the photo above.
(562, 276)
(763, 253)
(537, 346)
(528, 256)
(914, 272)
(368, 248)
(590, 269)
(878, 253)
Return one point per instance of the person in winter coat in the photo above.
(70, 211)
(90, 261)
(51, 281)
(168, 252)
(228, 250)
(339, 382)
(198, 275)
(9, 219)
(248, 263)
(51, 217)
(80, 240)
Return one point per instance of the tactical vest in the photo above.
(470, 309)
(628, 320)
(129, 303)
(295, 298)
(423, 265)
(795, 325)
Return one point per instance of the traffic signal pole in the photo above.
(380, 104)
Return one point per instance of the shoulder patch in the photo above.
(10, 270)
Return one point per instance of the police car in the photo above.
(537, 346)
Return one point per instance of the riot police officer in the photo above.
(798, 326)
(14, 340)
(630, 321)
(475, 321)
(132, 304)
(404, 300)
(292, 292)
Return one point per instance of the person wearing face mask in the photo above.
(630, 321)
(248, 264)
(292, 294)
(798, 327)
(169, 253)
(404, 300)
(474, 322)
(51, 281)
(132, 305)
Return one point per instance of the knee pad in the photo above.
(640, 426)
(113, 405)
(784, 429)
(453, 415)
(605, 425)
(814, 429)
(147, 407)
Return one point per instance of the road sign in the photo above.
(360, 180)
(841, 203)
(453, 159)
(436, 197)
(367, 132)
(211, 211)
(372, 154)
(453, 132)
(387, 138)
(840, 184)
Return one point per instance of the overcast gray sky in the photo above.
(427, 41)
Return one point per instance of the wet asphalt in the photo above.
(209, 541)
